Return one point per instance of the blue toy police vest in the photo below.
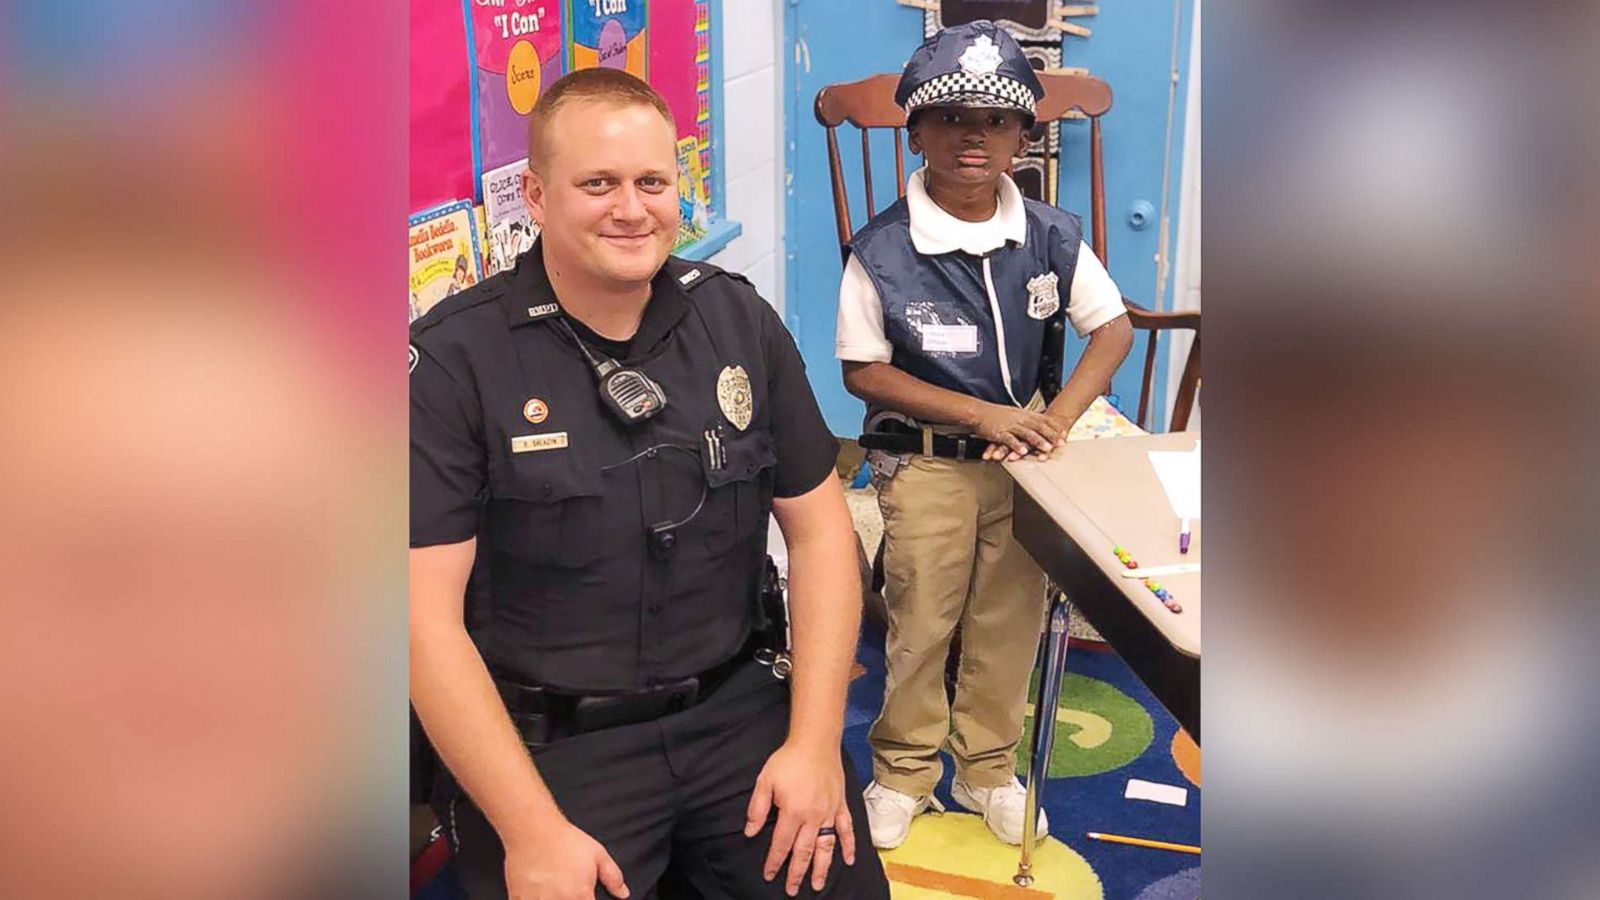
(951, 289)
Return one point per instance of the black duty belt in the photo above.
(542, 715)
(927, 442)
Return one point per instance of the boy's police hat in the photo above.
(977, 64)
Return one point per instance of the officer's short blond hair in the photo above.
(607, 85)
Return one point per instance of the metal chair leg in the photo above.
(1052, 667)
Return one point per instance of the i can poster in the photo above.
(609, 33)
(517, 53)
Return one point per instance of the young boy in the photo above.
(942, 319)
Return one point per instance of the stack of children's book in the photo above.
(510, 230)
(444, 253)
(456, 244)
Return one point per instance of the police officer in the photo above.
(946, 308)
(611, 427)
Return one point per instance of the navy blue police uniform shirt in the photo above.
(510, 443)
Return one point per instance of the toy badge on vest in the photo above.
(1043, 297)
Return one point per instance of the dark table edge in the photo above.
(1171, 675)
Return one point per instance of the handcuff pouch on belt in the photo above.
(771, 624)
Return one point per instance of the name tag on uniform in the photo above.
(528, 443)
(950, 338)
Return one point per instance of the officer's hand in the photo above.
(1013, 433)
(807, 786)
(561, 863)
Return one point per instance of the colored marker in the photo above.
(1183, 537)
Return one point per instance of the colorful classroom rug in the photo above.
(1109, 729)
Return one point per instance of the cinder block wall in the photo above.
(754, 159)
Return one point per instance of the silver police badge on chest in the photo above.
(1043, 298)
(733, 395)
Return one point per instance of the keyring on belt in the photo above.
(777, 660)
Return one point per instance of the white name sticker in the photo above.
(529, 443)
(950, 338)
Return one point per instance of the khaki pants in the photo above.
(950, 559)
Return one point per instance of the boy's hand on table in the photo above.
(1014, 433)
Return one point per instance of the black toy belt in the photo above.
(542, 715)
(926, 442)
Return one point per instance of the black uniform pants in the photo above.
(667, 800)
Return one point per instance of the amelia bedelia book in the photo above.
(510, 230)
(443, 254)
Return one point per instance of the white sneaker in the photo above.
(1003, 808)
(889, 814)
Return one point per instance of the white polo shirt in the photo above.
(1094, 298)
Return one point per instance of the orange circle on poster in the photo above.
(522, 77)
(1186, 753)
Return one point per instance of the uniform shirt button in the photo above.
(546, 490)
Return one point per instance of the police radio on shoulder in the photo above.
(630, 395)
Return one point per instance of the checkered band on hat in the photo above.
(965, 89)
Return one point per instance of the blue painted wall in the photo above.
(830, 41)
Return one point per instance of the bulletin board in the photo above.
(478, 67)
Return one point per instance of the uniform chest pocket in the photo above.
(740, 492)
(547, 512)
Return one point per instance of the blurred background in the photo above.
(1401, 397)
(201, 664)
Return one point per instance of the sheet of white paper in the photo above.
(1179, 471)
(950, 338)
(1139, 789)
